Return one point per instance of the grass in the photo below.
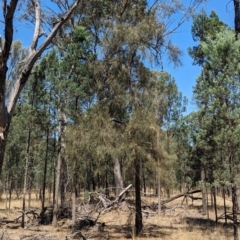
(175, 223)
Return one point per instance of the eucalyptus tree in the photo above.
(46, 25)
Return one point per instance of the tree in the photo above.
(218, 97)
(7, 106)
(202, 27)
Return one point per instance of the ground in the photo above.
(178, 220)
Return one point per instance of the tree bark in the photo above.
(238, 195)
(60, 160)
(25, 179)
(204, 202)
(224, 204)
(118, 177)
(74, 182)
(138, 214)
(234, 211)
(215, 204)
(236, 4)
(44, 177)
(159, 188)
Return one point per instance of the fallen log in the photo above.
(181, 195)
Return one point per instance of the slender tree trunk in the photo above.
(234, 211)
(237, 16)
(10, 194)
(63, 179)
(215, 204)
(224, 204)
(61, 153)
(106, 183)
(44, 177)
(204, 203)
(29, 191)
(159, 189)
(138, 207)
(25, 179)
(238, 195)
(118, 177)
(6, 191)
(144, 181)
(55, 162)
(74, 181)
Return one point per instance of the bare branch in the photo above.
(37, 29)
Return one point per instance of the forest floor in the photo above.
(176, 222)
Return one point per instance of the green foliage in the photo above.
(218, 97)
(203, 27)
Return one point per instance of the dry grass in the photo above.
(181, 223)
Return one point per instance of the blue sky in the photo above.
(186, 75)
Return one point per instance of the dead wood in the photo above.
(27, 213)
(194, 198)
(108, 205)
(7, 221)
(228, 216)
(187, 194)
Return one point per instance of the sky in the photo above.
(185, 75)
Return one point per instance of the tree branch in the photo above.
(10, 10)
(36, 34)
(33, 58)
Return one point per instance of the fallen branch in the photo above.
(181, 195)
(35, 215)
(228, 216)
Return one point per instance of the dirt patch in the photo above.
(181, 222)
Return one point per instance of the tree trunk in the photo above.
(44, 177)
(204, 203)
(234, 210)
(215, 204)
(106, 183)
(238, 195)
(63, 179)
(159, 189)
(236, 4)
(118, 177)
(138, 214)
(224, 204)
(60, 160)
(74, 182)
(25, 179)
